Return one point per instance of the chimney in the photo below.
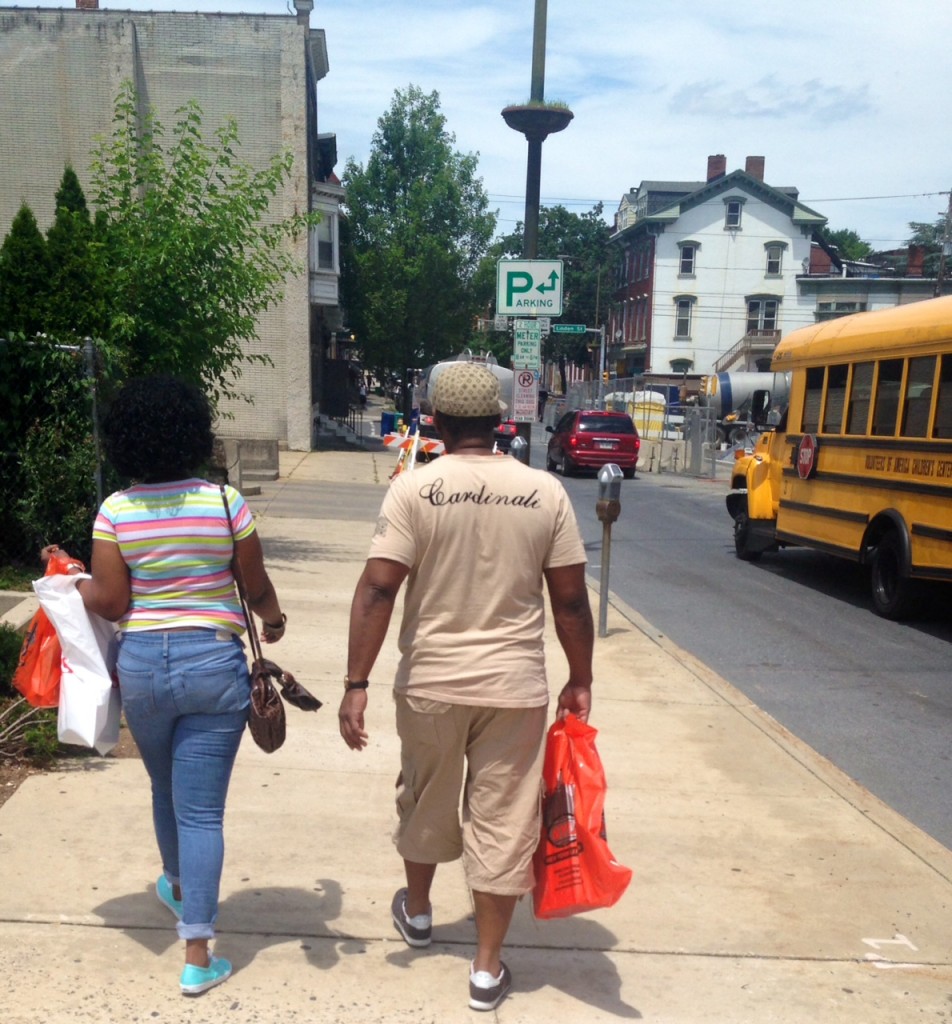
(87, 5)
(916, 265)
(755, 167)
(716, 166)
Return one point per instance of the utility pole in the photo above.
(946, 241)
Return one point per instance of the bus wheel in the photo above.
(895, 596)
(742, 539)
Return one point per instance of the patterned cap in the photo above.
(467, 390)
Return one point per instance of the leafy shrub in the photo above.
(11, 640)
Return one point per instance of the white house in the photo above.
(707, 277)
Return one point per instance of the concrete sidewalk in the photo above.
(767, 887)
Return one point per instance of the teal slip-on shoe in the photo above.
(196, 980)
(163, 889)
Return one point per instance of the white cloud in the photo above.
(843, 101)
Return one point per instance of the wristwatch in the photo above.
(355, 684)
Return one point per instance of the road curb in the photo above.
(921, 845)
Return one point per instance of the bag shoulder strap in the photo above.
(239, 583)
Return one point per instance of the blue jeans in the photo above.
(185, 696)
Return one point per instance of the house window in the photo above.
(683, 305)
(832, 310)
(761, 315)
(687, 258)
(323, 242)
(733, 209)
(774, 258)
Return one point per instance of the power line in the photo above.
(836, 199)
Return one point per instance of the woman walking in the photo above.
(161, 568)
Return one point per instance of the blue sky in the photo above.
(848, 102)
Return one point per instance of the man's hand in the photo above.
(350, 718)
(575, 699)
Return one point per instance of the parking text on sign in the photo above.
(526, 287)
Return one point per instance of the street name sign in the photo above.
(569, 328)
(527, 287)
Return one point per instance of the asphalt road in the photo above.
(795, 634)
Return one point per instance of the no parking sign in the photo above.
(525, 396)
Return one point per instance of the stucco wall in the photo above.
(60, 71)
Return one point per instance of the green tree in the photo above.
(582, 240)
(930, 237)
(75, 302)
(24, 276)
(848, 243)
(191, 258)
(418, 224)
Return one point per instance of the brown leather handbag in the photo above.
(266, 717)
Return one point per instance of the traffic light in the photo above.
(605, 376)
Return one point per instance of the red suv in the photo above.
(588, 438)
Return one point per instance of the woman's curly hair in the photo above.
(159, 428)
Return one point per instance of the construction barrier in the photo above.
(409, 446)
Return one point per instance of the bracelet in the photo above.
(279, 626)
(350, 684)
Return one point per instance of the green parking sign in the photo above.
(529, 288)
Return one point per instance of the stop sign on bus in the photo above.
(806, 456)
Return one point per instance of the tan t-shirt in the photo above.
(476, 532)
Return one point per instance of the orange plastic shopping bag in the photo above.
(574, 868)
(37, 674)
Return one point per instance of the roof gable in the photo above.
(783, 199)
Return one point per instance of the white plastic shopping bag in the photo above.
(89, 706)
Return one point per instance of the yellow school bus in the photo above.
(860, 464)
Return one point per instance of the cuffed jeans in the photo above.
(185, 696)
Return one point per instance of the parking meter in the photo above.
(608, 506)
(519, 449)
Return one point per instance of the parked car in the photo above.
(589, 438)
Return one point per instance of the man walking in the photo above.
(476, 534)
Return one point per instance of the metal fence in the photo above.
(674, 438)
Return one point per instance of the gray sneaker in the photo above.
(487, 992)
(416, 931)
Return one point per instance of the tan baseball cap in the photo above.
(467, 390)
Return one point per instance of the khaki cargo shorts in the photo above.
(495, 829)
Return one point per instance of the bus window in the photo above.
(810, 420)
(887, 397)
(860, 390)
(918, 397)
(943, 409)
(835, 399)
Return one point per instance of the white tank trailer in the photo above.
(429, 376)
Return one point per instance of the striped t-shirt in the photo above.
(175, 539)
